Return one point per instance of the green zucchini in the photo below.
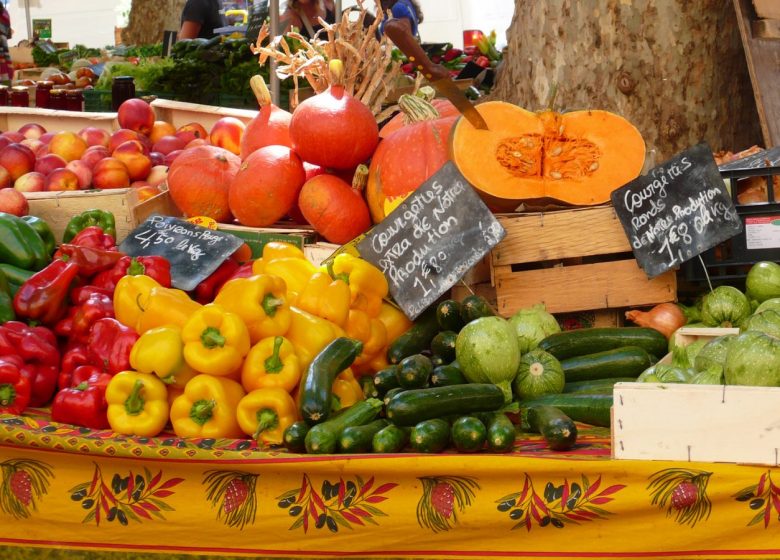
(557, 429)
(501, 434)
(473, 307)
(369, 389)
(390, 439)
(590, 409)
(391, 393)
(323, 438)
(295, 435)
(443, 376)
(357, 439)
(415, 405)
(443, 345)
(448, 315)
(468, 434)
(579, 342)
(316, 388)
(417, 339)
(628, 361)
(386, 379)
(430, 436)
(414, 371)
(596, 386)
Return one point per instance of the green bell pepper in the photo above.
(43, 229)
(6, 300)
(20, 245)
(94, 217)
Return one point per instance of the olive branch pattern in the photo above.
(437, 509)
(233, 493)
(134, 497)
(571, 502)
(341, 504)
(24, 481)
(763, 497)
(682, 493)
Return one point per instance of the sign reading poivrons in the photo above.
(677, 211)
(432, 239)
(193, 251)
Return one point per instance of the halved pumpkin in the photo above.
(577, 158)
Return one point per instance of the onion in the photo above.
(664, 317)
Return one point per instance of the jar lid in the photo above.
(45, 84)
(74, 93)
(123, 78)
(19, 88)
(58, 91)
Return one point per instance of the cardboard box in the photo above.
(13, 118)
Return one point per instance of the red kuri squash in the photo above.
(270, 127)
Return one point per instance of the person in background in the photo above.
(199, 19)
(304, 16)
(6, 70)
(401, 27)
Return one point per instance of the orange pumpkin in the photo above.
(335, 209)
(577, 158)
(408, 157)
(198, 181)
(266, 186)
(271, 126)
(443, 106)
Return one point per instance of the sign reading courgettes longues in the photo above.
(429, 242)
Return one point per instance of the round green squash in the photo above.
(540, 373)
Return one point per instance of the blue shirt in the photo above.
(403, 9)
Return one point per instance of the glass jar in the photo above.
(57, 99)
(74, 100)
(122, 89)
(4, 95)
(20, 96)
(42, 94)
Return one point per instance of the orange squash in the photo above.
(408, 157)
(577, 158)
(444, 107)
(270, 127)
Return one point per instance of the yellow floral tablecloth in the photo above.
(72, 488)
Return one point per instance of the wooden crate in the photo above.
(256, 238)
(686, 335)
(767, 9)
(57, 208)
(571, 260)
(12, 118)
(179, 113)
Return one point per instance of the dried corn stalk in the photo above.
(370, 73)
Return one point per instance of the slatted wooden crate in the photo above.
(571, 260)
(179, 113)
(12, 118)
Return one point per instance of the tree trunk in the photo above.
(675, 68)
(149, 18)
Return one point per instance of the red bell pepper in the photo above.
(14, 387)
(72, 359)
(94, 238)
(37, 349)
(244, 271)
(82, 293)
(153, 266)
(109, 345)
(207, 290)
(43, 297)
(84, 404)
(97, 306)
(89, 259)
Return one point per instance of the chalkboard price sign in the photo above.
(193, 251)
(677, 211)
(432, 239)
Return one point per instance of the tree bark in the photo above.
(675, 68)
(149, 18)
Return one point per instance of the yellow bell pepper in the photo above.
(165, 306)
(161, 351)
(295, 273)
(309, 334)
(326, 298)
(260, 301)
(266, 413)
(131, 296)
(395, 321)
(347, 389)
(271, 363)
(215, 340)
(173, 394)
(137, 404)
(280, 250)
(370, 331)
(366, 282)
(207, 408)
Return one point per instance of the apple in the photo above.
(146, 143)
(157, 158)
(46, 138)
(136, 114)
(37, 147)
(31, 182)
(120, 137)
(48, 163)
(5, 178)
(170, 158)
(82, 171)
(62, 180)
(167, 144)
(13, 202)
(5, 141)
(13, 136)
(95, 136)
(144, 192)
(197, 142)
(94, 154)
(157, 175)
(227, 133)
(32, 131)
(68, 144)
(191, 131)
(17, 159)
(110, 173)
(160, 129)
(131, 153)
